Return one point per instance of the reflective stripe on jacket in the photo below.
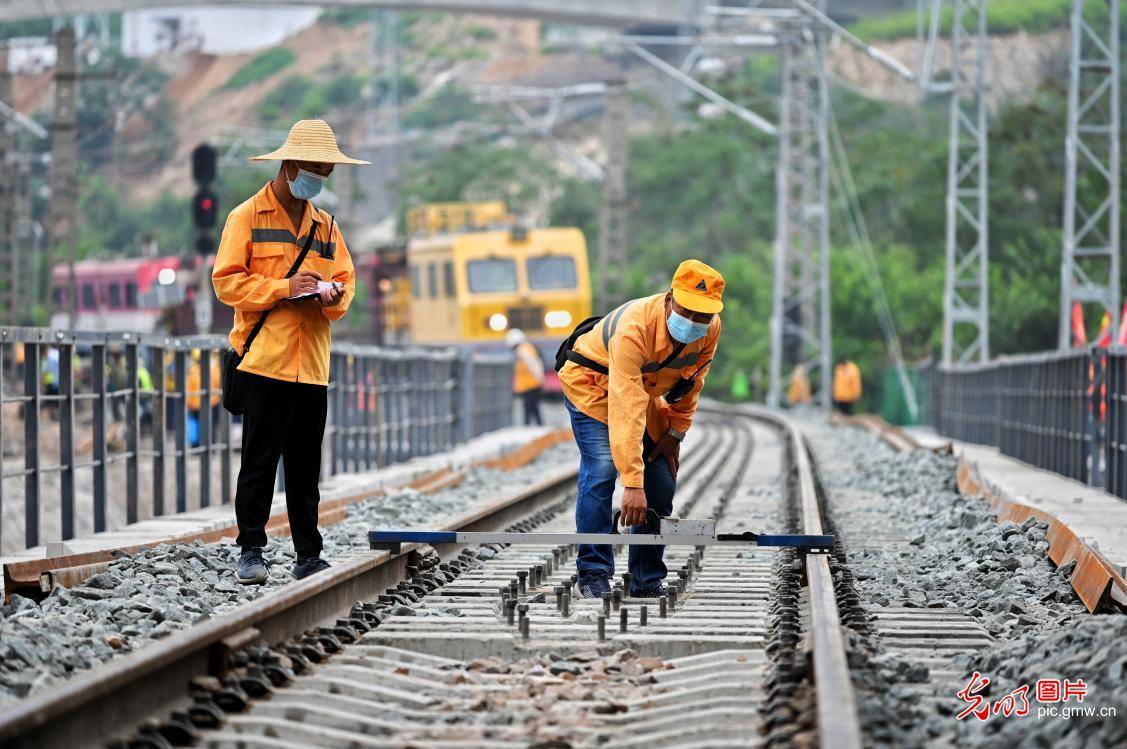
(257, 249)
(847, 383)
(632, 341)
(528, 371)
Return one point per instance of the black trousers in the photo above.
(531, 399)
(846, 407)
(287, 420)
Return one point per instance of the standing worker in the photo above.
(196, 408)
(847, 385)
(528, 374)
(631, 382)
(798, 394)
(276, 259)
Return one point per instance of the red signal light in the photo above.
(204, 207)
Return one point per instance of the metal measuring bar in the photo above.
(668, 532)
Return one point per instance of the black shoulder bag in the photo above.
(233, 379)
(567, 353)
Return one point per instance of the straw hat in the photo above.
(310, 140)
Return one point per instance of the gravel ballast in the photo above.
(167, 588)
(913, 542)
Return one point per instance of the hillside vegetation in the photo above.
(698, 187)
(1002, 17)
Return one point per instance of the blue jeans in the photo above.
(597, 476)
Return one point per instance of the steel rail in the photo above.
(839, 726)
(97, 705)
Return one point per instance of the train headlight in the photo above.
(498, 322)
(557, 318)
(166, 277)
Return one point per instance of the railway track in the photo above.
(488, 646)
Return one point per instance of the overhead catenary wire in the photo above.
(842, 177)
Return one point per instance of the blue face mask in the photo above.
(307, 185)
(685, 330)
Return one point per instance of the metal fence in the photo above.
(100, 430)
(1062, 411)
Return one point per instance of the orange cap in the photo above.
(698, 287)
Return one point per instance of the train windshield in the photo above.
(492, 275)
(551, 272)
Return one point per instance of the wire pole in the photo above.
(965, 292)
(800, 319)
(1090, 257)
(64, 169)
(9, 255)
(613, 230)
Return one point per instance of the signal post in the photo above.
(205, 208)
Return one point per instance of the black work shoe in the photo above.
(251, 569)
(306, 567)
(594, 587)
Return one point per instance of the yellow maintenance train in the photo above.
(475, 273)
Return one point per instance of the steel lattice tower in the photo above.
(1090, 264)
(965, 293)
(613, 235)
(800, 315)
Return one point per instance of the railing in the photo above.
(1062, 411)
(92, 424)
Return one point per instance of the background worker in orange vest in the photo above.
(528, 374)
(798, 392)
(630, 382)
(847, 385)
(286, 365)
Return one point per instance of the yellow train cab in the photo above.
(475, 274)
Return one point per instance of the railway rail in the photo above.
(427, 646)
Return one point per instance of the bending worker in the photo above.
(284, 261)
(528, 374)
(630, 385)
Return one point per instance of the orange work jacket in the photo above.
(632, 341)
(847, 383)
(255, 253)
(527, 378)
(195, 383)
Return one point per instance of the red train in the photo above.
(123, 294)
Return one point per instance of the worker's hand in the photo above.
(304, 282)
(332, 297)
(633, 506)
(670, 449)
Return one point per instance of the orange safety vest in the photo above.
(525, 378)
(847, 382)
(194, 384)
